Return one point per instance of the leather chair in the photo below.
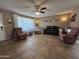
(19, 34)
(71, 37)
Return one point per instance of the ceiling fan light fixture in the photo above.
(37, 13)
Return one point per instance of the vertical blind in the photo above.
(26, 24)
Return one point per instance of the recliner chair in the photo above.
(19, 34)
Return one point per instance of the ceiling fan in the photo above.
(39, 8)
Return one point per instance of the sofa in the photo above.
(70, 38)
(51, 30)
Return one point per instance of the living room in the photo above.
(39, 29)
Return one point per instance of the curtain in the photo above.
(26, 24)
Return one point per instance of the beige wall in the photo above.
(56, 21)
(8, 26)
(44, 22)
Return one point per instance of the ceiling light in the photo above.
(37, 13)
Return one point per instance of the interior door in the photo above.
(2, 30)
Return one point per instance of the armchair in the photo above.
(19, 34)
(71, 37)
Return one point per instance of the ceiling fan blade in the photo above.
(43, 8)
(42, 11)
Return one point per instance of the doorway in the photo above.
(2, 29)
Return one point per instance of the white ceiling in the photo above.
(25, 7)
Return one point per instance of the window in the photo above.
(26, 24)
